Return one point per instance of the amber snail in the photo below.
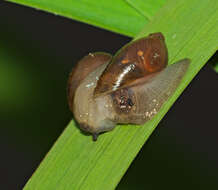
(129, 88)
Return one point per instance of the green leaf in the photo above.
(216, 67)
(214, 62)
(114, 15)
(76, 162)
(147, 8)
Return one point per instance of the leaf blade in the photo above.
(75, 162)
(114, 15)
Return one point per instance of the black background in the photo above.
(41, 49)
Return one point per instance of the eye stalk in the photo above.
(129, 88)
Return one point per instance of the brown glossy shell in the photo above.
(85, 66)
(137, 59)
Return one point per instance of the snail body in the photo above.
(129, 88)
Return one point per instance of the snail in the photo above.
(129, 88)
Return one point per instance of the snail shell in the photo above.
(129, 88)
(136, 60)
(85, 66)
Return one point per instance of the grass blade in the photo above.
(76, 162)
(114, 15)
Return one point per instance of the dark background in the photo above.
(37, 52)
